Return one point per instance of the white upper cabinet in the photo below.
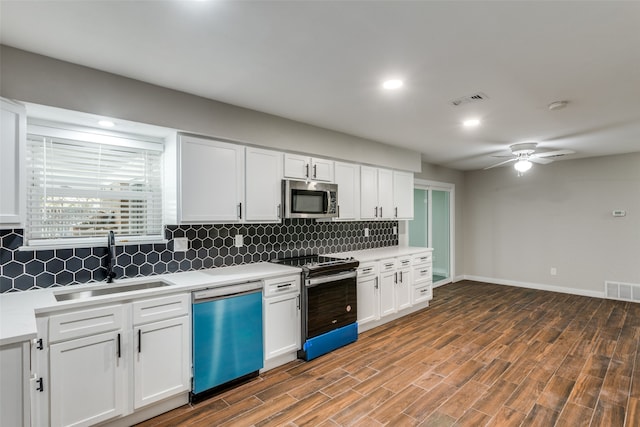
(368, 192)
(347, 176)
(211, 176)
(402, 195)
(376, 193)
(13, 134)
(385, 193)
(303, 167)
(263, 185)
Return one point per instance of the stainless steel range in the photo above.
(329, 303)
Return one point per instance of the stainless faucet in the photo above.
(111, 256)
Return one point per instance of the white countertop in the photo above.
(381, 253)
(18, 310)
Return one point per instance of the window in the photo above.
(81, 184)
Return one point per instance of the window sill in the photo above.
(91, 243)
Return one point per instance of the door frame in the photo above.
(424, 184)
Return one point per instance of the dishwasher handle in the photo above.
(226, 292)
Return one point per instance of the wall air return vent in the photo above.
(622, 291)
(478, 96)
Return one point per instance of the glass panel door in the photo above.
(440, 229)
(431, 227)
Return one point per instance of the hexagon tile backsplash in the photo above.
(209, 246)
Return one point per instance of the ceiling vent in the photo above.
(478, 96)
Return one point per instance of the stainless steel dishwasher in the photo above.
(227, 336)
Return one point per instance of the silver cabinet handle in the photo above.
(287, 285)
(395, 277)
(315, 170)
(380, 211)
(139, 340)
(389, 264)
(366, 270)
(240, 210)
(298, 301)
(401, 277)
(376, 285)
(396, 212)
(307, 168)
(376, 212)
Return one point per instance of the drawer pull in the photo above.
(284, 286)
(424, 271)
(366, 270)
(424, 290)
(389, 265)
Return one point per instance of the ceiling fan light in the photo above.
(523, 165)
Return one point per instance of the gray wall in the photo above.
(42, 80)
(557, 215)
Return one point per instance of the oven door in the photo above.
(331, 302)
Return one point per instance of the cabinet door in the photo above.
(387, 293)
(88, 380)
(14, 387)
(347, 176)
(296, 166)
(13, 132)
(368, 192)
(385, 193)
(161, 360)
(211, 181)
(403, 289)
(403, 195)
(367, 300)
(321, 170)
(263, 185)
(281, 325)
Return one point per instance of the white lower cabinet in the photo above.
(368, 294)
(99, 356)
(88, 378)
(392, 287)
(14, 385)
(162, 360)
(282, 325)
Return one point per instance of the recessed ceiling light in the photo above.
(106, 123)
(471, 123)
(392, 84)
(558, 105)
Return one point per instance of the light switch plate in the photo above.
(366, 232)
(239, 240)
(180, 244)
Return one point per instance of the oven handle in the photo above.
(310, 283)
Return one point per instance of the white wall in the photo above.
(38, 79)
(557, 215)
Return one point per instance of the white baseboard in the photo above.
(538, 286)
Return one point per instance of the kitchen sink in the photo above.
(106, 290)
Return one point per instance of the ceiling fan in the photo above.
(524, 154)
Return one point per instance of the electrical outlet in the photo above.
(553, 271)
(395, 230)
(366, 232)
(180, 244)
(239, 241)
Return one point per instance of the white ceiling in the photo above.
(322, 62)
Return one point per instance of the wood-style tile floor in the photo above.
(481, 354)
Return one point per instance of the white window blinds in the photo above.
(83, 187)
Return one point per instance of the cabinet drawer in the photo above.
(422, 293)
(154, 309)
(404, 262)
(82, 323)
(282, 285)
(422, 274)
(367, 270)
(387, 265)
(422, 258)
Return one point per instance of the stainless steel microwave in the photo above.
(303, 199)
